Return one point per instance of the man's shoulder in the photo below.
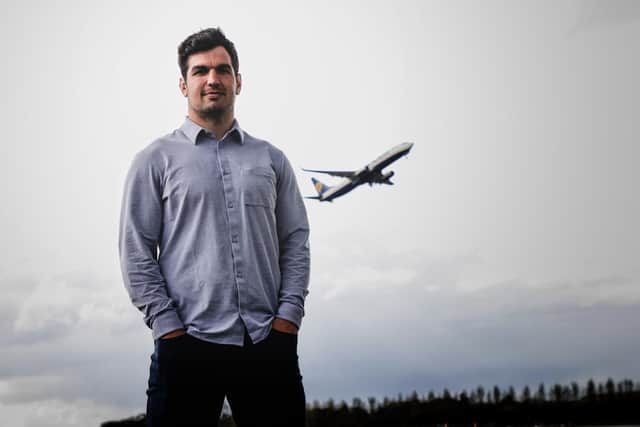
(169, 141)
(252, 141)
(162, 147)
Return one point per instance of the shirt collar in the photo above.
(193, 131)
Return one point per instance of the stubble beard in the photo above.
(215, 113)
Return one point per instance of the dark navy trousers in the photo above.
(189, 379)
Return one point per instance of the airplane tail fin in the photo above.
(320, 187)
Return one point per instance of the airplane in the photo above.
(370, 174)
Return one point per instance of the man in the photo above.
(214, 251)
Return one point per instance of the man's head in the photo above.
(202, 41)
(210, 79)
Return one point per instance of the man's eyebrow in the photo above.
(199, 67)
(202, 67)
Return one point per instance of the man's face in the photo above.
(211, 84)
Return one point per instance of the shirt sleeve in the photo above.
(139, 234)
(293, 236)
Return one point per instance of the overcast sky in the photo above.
(506, 253)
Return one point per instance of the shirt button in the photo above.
(234, 239)
(230, 205)
(239, 275)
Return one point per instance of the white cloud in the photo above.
(59, 413)
(31, 388)
(60, 302)
(356, 278)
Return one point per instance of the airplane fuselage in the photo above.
(342, 188)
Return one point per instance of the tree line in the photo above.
(604, 403)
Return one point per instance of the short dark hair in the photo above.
(203, 41)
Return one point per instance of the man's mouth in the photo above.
(214, 93)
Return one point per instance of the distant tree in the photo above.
(628, 386)
(446, 394)
(556, 393)
(473, 397)
(591, 390)
(541, 394)
(526, 394)
(511, 395)
(413, 397)
(372, 404)
(463, 397)
(497, 394)
(357, 403)
(575, 391)
(611, 387)
(331, 405)
(431, 396)
(481, 393)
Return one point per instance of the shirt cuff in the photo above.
(166, 322)
(290, 312)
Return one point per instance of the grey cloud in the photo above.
(413, 338)
(16, 290)
(33, 388)
(104, 368)
(58, 413)
(50, 307)
(67, 332)
(594, 14)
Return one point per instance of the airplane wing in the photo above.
(345, 174)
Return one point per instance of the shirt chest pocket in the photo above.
(259, 187)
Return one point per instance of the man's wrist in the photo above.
(165, 323)
(173, 334)
(283, 325)
(290, 312)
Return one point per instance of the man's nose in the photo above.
(213, 78)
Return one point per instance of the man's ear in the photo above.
(183, 87)
(238, 83)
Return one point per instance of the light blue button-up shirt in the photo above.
(214, 236)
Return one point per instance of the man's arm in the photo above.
(293, 236)
(139, 234)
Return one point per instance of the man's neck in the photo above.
(217, 126)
